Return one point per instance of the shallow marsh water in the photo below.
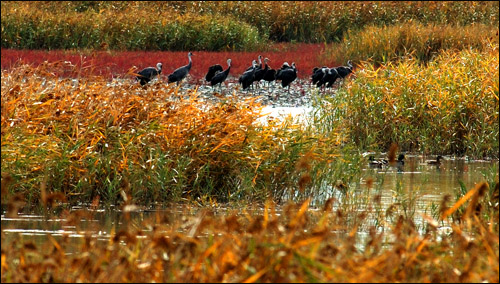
(427, 183)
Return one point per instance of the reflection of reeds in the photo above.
(285, 244)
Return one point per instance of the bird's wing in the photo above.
(146, 71)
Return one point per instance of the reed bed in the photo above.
(213, 25)
(449, 105)
(295, 243)
(27, 27)
(70, 136)
(380, 45)
(90, 137)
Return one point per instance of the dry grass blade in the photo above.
(473, 192)
(391, 155)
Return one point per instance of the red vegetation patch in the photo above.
(115, 64)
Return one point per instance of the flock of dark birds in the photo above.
(216, 75)
(321, 77)
(399, 163)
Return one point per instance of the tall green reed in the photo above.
(449, 105)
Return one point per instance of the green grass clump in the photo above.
(449, 105)
(25, 26)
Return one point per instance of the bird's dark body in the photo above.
(259, 73)
(148, 74)
(212, 70)
(287, 75)
(343, 71)
(329, 78)
(181, 72)
(318, 73)
(270, 75)
(247, 78)
(221, 76)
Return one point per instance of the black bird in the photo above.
(343, 71)
(399, 163)
(317, 74)
(400, 160)
(246, 79)
(287, 75)
(212, 70)
(259, 73)
(330, 77)
(258, 66)
(375, 163)
(269, 76)
(436, 162)
(220, 77)
(148, 74)
(181, 72)
(327, 76)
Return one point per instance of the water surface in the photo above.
(428, 184)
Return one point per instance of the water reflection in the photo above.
(417, 181)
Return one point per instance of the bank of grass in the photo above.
(25, 26)
(88, 137)
(380, 45)
(448, 105)
(214, 25)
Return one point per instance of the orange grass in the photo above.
(289, 244)
(448, 105)
(380, 45)
(93, 137)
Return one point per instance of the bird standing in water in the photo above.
(148, 74)
(436, 162)
(181, 72)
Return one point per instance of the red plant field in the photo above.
(116, 64)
